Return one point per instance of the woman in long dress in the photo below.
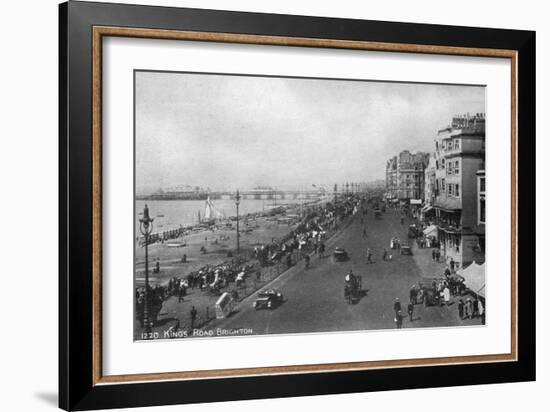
(446, 295)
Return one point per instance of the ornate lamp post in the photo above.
(146, 227)
(237, 202)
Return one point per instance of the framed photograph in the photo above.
(257, 205)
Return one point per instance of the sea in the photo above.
(170, 214)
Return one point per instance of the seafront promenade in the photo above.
(207, 248)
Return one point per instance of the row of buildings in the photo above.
(446, 188)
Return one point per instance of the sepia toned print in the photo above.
(273, 205)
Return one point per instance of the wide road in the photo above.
(314, 300)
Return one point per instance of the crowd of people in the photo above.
(309, 236)
(471, 309)
(155, 296)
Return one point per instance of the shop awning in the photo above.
(474, 278)
(426, 208)
(417, 202)
(430, 231)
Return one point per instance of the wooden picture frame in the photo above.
(82, 385)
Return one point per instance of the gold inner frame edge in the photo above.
(102, 31)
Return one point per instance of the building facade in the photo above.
(405, 176)
(481, 206)
(459, 159)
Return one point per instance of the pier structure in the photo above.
(258, 193)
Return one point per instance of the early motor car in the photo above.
(340, 254)
(268, 299)
(405, 249)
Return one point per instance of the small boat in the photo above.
(211, 214)
(176, 244)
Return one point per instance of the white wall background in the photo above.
(28, 200)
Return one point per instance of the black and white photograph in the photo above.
(269, 205)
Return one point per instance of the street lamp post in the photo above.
(237, 202)
(146, 227)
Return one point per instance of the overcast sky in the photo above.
(228, 132)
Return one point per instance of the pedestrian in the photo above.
(433, 254)
(369, 256)
(384, 254)
(402, 219)
(412, 294)
(396, 305)
(420, 294)
(446, 295)
(181, 294)
(452, 264)
(410, 311)
(307, 258)
(461, 309)
(468, 308)
(364, 231)
(193, 317)
(475, 311)
(398, 319)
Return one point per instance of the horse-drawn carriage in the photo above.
(414, 232)
(353, 288)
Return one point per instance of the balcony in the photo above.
(448, 202)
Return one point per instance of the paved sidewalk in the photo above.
(422, 257)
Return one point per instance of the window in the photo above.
(482, 210)
(449, 189)
(457, 190)
(457, 169)
(457, 144)
(482, 185)
(443, 185)
(443, 163)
